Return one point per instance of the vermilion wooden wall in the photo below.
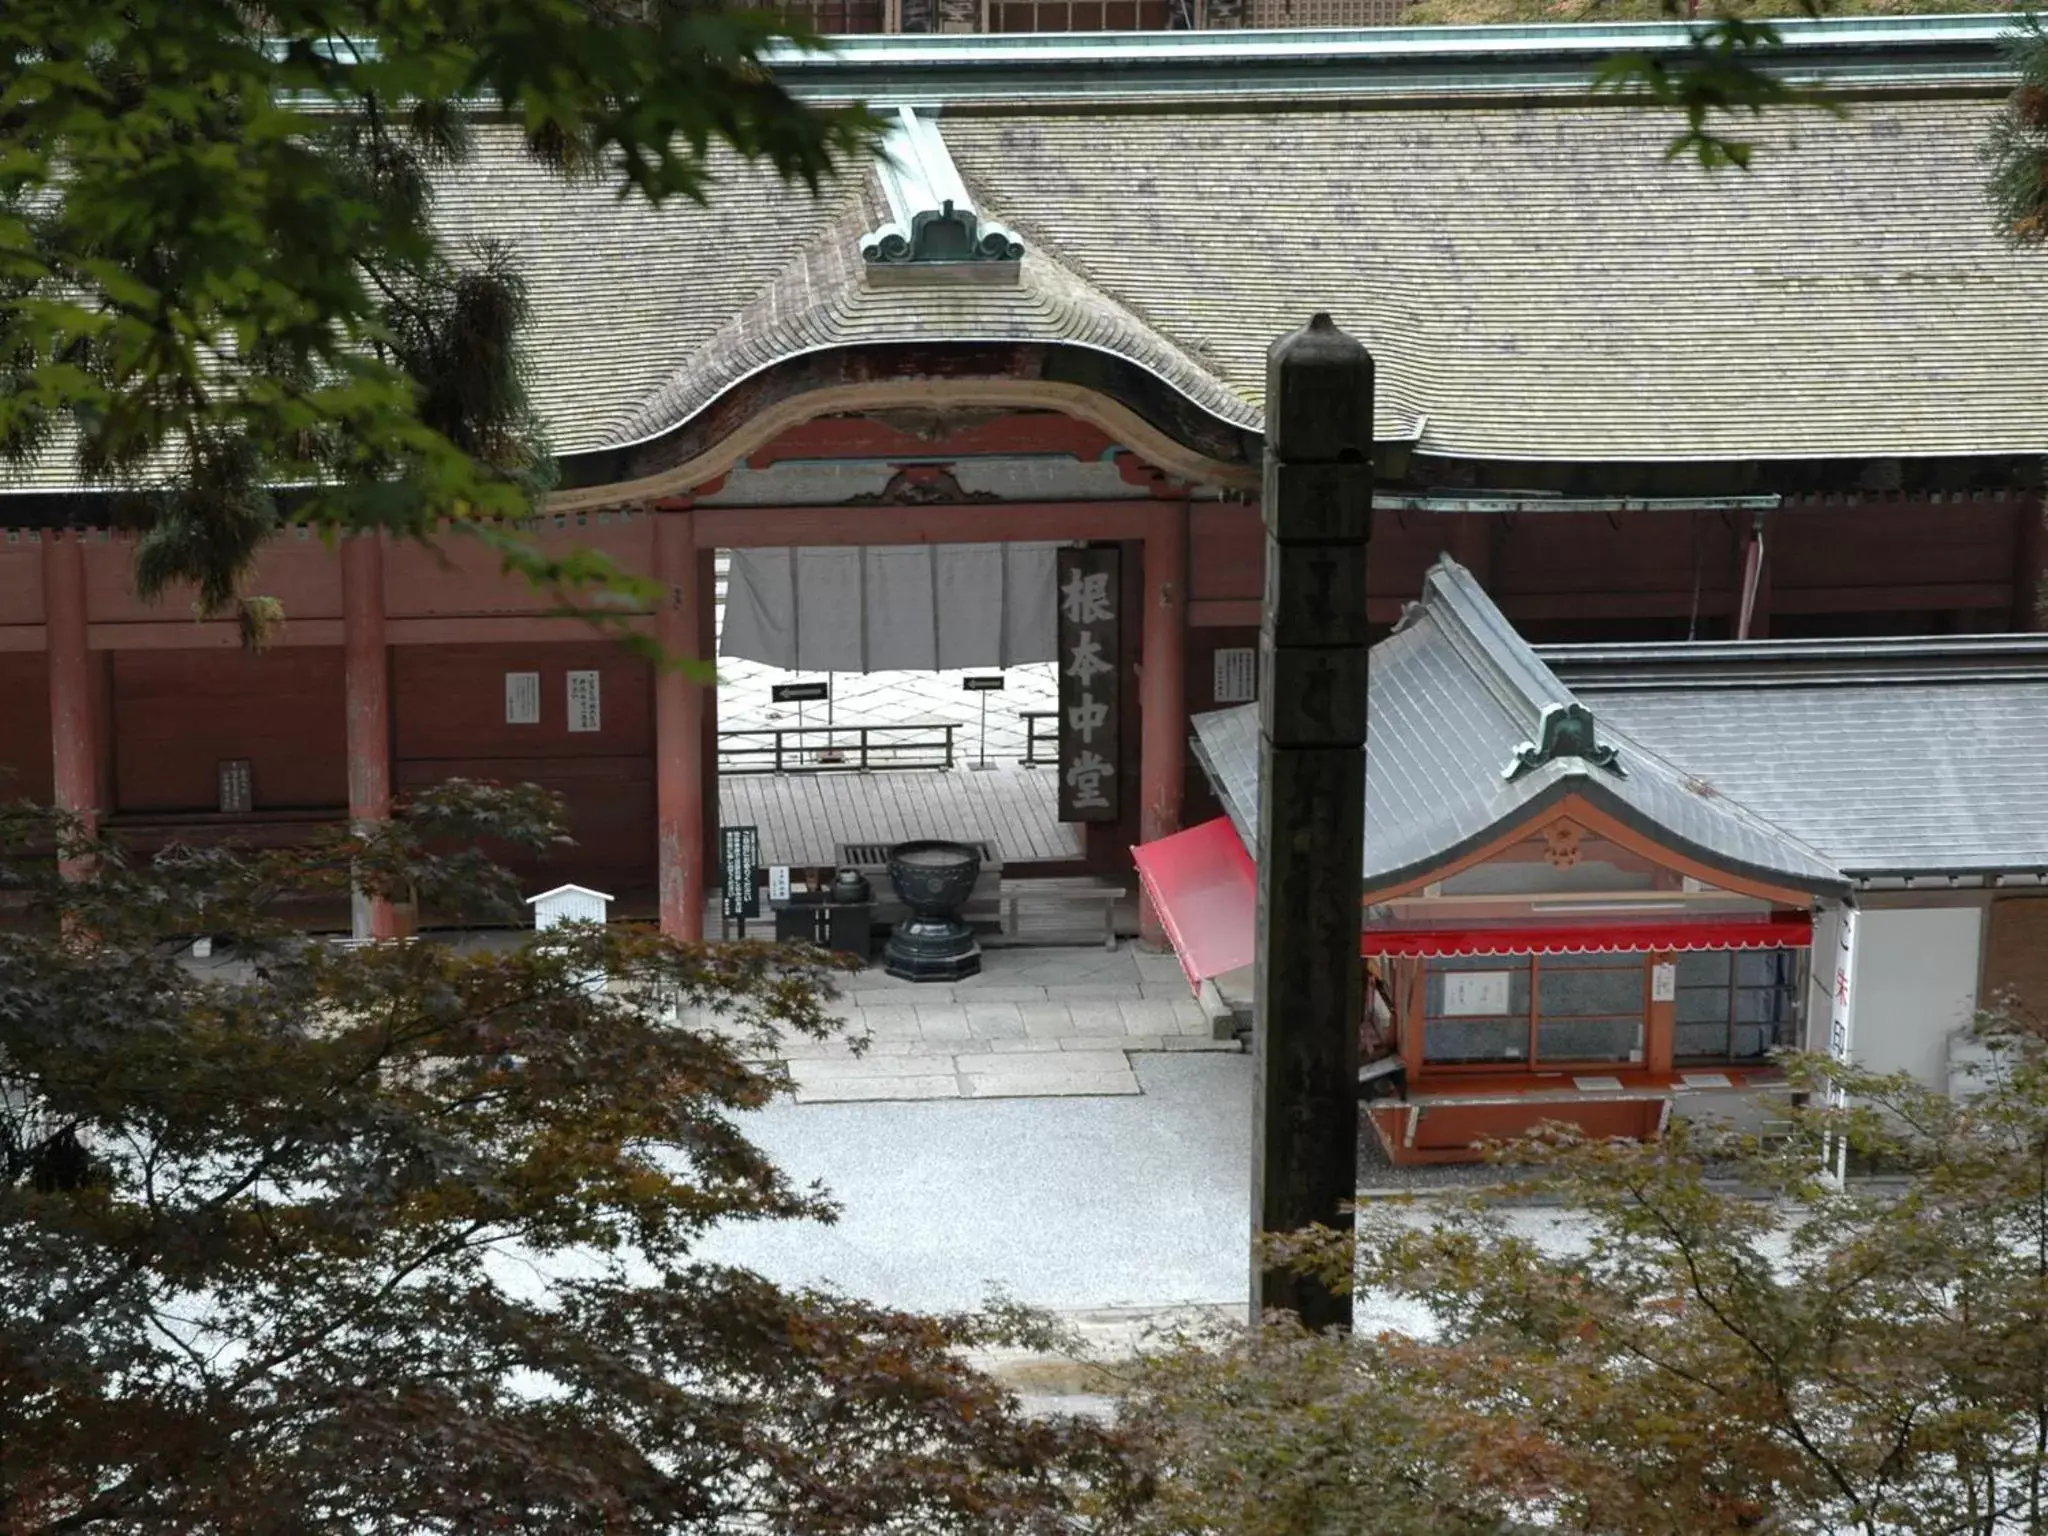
(1874, 565)
(178, 714)
(25, 768)
(448, 705)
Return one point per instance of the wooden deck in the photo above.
(805, 817)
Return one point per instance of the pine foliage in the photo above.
(2017, 150)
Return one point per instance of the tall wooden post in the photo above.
(1660, 1016)
(678, 730)
(366, 684)
(74, 720)
(1162, 700)
(1312, 717)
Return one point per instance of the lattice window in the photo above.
(1739, 1006)
(1323, 13)
(1502, 1010)
(841, 16)
(1089, 15)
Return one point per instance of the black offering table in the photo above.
(934, 879)
(844, 926)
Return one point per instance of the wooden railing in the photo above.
(837, 748)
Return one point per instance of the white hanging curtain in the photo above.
(890, 608)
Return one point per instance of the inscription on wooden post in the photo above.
(1312, 714)
(1090, 676)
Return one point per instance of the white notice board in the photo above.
(1237, 671)
(584, 713)
(522, 698)
(1475, 994)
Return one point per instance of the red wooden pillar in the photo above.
(366, 667)
(1753, 584)
(1163, 703)
(707, 648)
(1660, 1024)
(679, 729)
(2030, 563)
(74, 739)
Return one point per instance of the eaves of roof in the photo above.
(1851, 663)
(1848, 53)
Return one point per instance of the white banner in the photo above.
(917, 607)
(1841, 1031)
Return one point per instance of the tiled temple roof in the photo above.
(1463, 714)
(1540, 282)
(1899, 758)
(1536, 279)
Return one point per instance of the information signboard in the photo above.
(739, 856)
(1091, 675)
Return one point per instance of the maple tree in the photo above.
(399, 1238)
(1696, 1336)
(224, 299)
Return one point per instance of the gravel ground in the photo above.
(1065, 1203)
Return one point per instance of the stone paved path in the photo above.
(1037, 1023)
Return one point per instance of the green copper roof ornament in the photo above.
(1566, 730)
(933, 220)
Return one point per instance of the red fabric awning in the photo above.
(1207, 897)
(1594, 938)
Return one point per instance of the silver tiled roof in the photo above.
(1890, 778)
(624, 295)
(1456, 694)
(1536, 279)
(1540, 281)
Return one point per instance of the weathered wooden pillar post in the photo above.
(678, 730)
(366, 686)
(1162, 699)
(1312, 718)
(74, 734)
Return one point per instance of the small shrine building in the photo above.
(1585, 903)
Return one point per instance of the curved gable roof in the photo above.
(1459, 719)
(820, 301)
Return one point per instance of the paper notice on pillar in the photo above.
(522, 698)
(584, 713)
(1088, 601)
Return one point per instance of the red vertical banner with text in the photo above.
(1091, 676)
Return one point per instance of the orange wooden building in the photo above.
(1565, 918)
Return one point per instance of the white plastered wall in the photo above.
(1915, 985)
